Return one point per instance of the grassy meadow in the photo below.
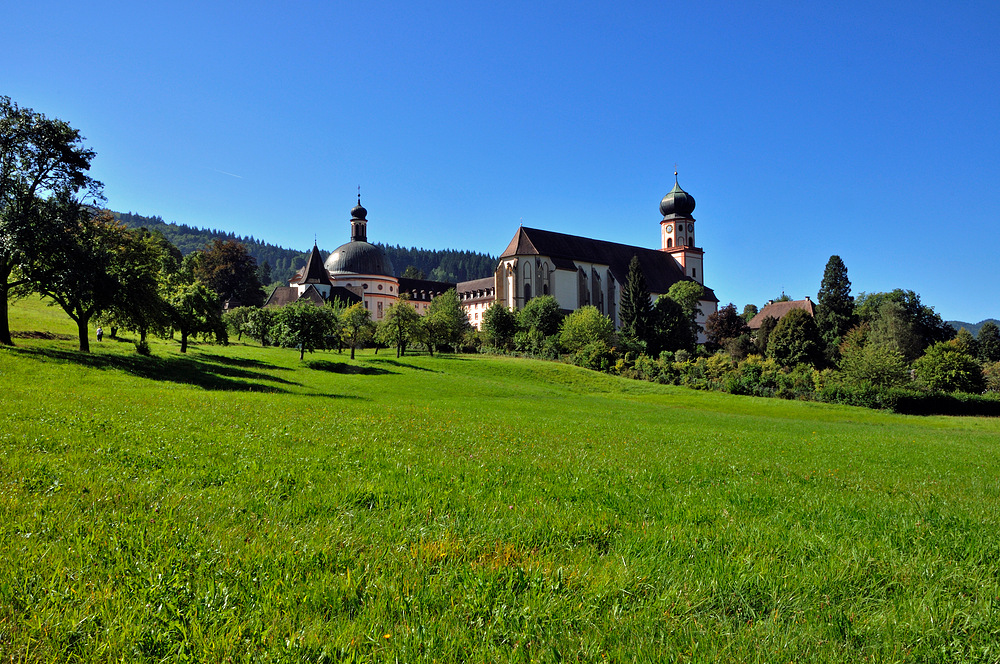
(236, 504)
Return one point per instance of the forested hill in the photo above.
(436, 264)
(972, 327)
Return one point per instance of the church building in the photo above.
(577, 271)
(580, 271)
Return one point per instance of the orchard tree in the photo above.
(357, 326)
(399, 327)
(305, 326)
(445, 320)
(835, 306)
(749, 311)
(39, 158)
(84, 262)
(194, 309)
(635, 311)
(260, 324)
(499, 326)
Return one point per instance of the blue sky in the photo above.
(867, 130)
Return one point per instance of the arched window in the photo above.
(670, 242)
(527, 292)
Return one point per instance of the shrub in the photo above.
(142, 347)
(946, 368)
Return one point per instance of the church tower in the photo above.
(677, 231)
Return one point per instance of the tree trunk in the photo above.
(184, 341)
(83, 328)
(5, 338)
(352, 351)
(302, 351)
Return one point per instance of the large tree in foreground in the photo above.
(83, 263)
(39, 158)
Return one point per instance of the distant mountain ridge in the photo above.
(436, 264)
(973, 328)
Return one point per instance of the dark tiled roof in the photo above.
(778, 309)
(313, 295)
(314, 272)
(422, 289)
(281, 296)
(475, 284)
(345, 295)
(659, 268)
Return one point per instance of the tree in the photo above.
(357, 326)
(965, 342)
(835, 306)
(138, 305)
(83, 261)
(39, 157)
(920, 326)
(725, 325)
(635, 312)
(670, 328)
(795, 340)
(399, 326)
(944, 367)
(237, 319)
(411, 272)
(305, 326)
(988, 341)
(499, 326)
(749, 311)
(541, 314)
(688, 295)
(873, 364)
(227, 268)
(891, 326)
(445, 320)
(194, 309)
(584, 326)
(763, 335)
(260, 324)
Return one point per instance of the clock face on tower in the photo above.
(670, 228)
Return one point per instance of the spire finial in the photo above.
(675, 173)
(359, 194)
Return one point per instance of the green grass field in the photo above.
(237, 504)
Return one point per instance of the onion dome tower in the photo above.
(677, 231)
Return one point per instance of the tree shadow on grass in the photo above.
(401, 365)
(345, 368)
(185, 370)
(242, 362)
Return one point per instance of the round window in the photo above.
(365, 286)
(380, 286)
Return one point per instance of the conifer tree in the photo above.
(635, 307)
(835, 309)
(988, 342)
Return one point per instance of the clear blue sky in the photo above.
(868, 130)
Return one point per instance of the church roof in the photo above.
(423, 289)
(778, 309)
(314, 272)
(281, 296)
(659, 268)
(359, 257)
